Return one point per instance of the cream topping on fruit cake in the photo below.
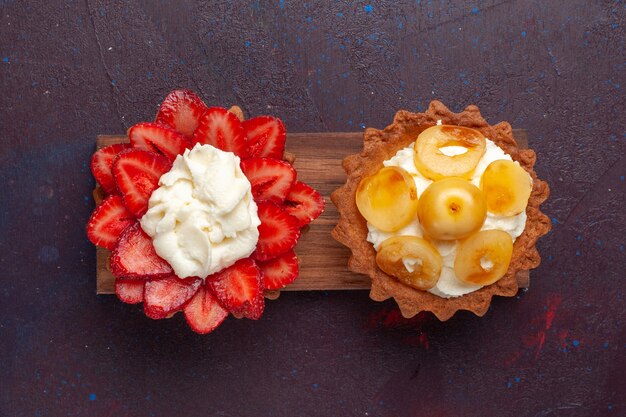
(202, 218)
(441, 197)
(200, 212)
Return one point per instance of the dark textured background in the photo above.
(69, 71)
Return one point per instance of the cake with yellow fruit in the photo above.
(441, 210)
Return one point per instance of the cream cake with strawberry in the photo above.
(441, 210)
(201, 211)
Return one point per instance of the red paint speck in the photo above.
(513, 357)
(552, 304)
(391, 318)
(563, 338)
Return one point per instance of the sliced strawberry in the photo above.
(278, 232)
(166, 295)
(101, 163)
(280, 271)
(266, 137)
(134, 257)
(220, 128)
(129, 291)
(239, 288)
(254, 309)
(203, 312)
(154, 137)
(271, 179)
(181, 110)
(108, 221)
(137, 173)
(304, 203)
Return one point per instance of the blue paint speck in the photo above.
(281, 4)
(247, 44)
(550, 257)
(578, 253)
(308, 19)
(368, 8)
(555, 221)
(621, 178)
(362, 125)
(315, 386)
(579, 238)
(475, 10)
(92, 397)
(615, 25)
(149, 75)
(518, 379)
(113, 82)
(509, 384)
(339, 14)
(523, 34)
(605, 345)
(610, 406)
(576, 343)
(48, 254)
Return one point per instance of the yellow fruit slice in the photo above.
(411, 259)
(388, 199)
(431, 162)
(452, 208)
(506, 187)
(483, 258)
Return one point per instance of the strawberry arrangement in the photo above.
(129, 173)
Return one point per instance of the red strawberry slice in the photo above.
(203, 312)
(280, 271)
(254, 309)
(154, 137)
(220, 128)
(137, 173)
(108, 221)
(181, 110)
(134, 257)
(166, 295)
(278, 232)
(304, 203)
(101, 163)
(239, 288)
(266, 137)
(129, 291)
(271, 179)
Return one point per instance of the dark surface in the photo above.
(69, 71)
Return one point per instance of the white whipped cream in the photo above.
(202, 218)
(411, 263)
(448, 285)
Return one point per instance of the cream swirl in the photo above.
(202, 218)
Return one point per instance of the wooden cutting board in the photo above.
(323, 261)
